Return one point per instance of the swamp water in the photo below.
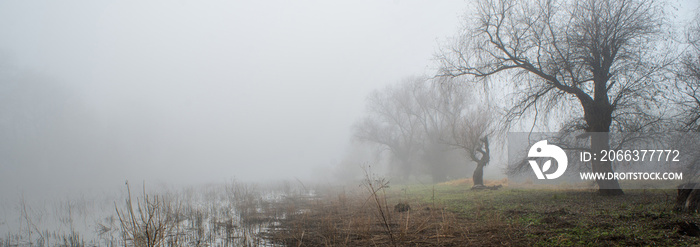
(231, 214)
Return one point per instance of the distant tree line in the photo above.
(428, 127)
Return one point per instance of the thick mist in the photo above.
(181, 92)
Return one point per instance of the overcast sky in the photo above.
(198, 91)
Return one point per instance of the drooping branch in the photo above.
(581, 48)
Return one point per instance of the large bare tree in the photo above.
(687, 97)
(602, 54)
(688, 74)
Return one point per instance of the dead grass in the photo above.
(450, 214)
(351, 220)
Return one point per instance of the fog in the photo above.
(182, 92)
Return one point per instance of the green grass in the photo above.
(561, 217)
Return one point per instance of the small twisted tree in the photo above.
(470, 132)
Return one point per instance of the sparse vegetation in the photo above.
(374, 214)
(231, 214)
(150, 223)
(454, 215)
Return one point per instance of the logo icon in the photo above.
(542, 150)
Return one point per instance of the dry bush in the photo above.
(149, 223)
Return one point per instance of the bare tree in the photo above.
(470, 123)
(435, 113)
(412, 120)
(391, 124)
(688, 96)
(688, 75)
(470, 132)
(602, 54)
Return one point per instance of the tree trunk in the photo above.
(600, 141)
(598, 116)
(478, 176)
(688, 197)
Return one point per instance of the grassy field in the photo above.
(451, 214)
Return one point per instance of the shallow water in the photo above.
(230, 214)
